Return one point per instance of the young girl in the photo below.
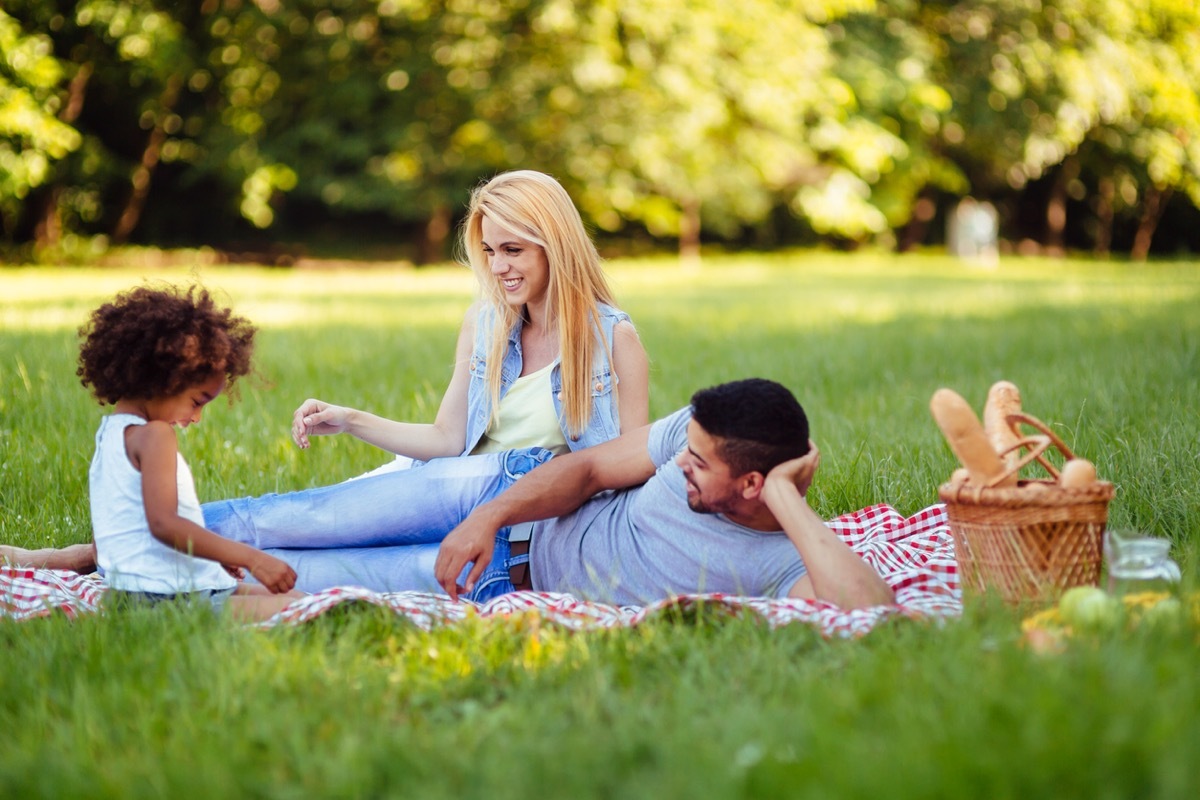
(159, 356)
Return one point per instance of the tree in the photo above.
(35, 129)
(676, 116)
(671, 114)
(126, 65)
(1102, 89)
(1144, 66)
(372, 107)
(891, 138)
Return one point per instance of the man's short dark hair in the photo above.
(758, 424)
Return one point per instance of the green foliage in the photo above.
(31, 136)
(700, 105)
(370, 104)
(891, 64)
(850, 117)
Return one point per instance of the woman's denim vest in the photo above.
(604, 423)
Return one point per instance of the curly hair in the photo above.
(157, 342)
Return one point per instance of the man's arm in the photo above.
(557, 487)
(836, 573)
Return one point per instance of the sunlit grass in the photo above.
(40, 299)
(360, 704)
(1105, 352)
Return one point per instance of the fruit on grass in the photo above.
(1166, 613)
(1089, 608)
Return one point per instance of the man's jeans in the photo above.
(380, 532)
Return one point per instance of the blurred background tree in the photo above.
(276, 127)
(35, 122)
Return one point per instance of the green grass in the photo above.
(360, 704)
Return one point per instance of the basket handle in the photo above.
(1037, 446)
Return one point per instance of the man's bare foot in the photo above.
(79, 558)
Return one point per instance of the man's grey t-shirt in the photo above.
(643, 544)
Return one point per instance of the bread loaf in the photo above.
(1078, 473)
(967, 439)
(1003, 399)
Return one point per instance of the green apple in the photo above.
(1089, 608)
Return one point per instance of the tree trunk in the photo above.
(689, 233)
(140, 180)
(1056, 206)
(1104, 216)
(1154, 201)
(47, 231)
(914, 232)
(437, 228)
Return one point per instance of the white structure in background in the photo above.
(971, 232)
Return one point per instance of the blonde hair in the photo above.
(535, 207)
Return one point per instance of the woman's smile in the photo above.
(519, 264)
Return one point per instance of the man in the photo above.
(709, 499)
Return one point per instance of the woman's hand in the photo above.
(318, 418)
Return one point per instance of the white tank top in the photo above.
(526, 417)
(132, 559)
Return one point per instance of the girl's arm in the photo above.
(153, 450)
(445, 437)
(633, 377)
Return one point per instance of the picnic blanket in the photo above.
(915, 556)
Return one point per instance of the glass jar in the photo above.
(1139, 563)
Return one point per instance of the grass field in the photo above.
(361, 705)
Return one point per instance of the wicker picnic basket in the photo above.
(1033, 541)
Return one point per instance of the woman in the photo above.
(544, 360)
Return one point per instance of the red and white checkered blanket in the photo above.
(915, 555)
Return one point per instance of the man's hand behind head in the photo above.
(798, 471)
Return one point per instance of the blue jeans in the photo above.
(380, 532)
(400, 568)
(495, 579)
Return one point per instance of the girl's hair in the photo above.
(535, 207)
(158, 342)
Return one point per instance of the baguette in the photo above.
(967, 439)
(1003, 398)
